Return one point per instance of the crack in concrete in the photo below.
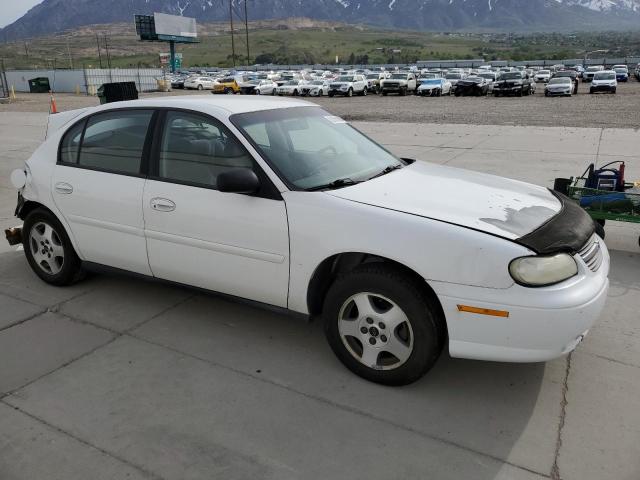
(555, 469)
(340, 406)
(139, 468)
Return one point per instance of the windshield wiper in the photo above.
(388, 169)
(339, 183)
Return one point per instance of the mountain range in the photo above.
(442, 15)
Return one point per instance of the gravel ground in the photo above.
(603, 110)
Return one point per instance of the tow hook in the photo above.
(14, 235)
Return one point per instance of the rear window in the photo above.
(115, 141)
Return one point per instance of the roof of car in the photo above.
(230, 104)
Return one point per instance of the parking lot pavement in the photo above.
(118, 377)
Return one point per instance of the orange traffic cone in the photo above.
(53, 108)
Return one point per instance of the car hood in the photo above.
(496, 205)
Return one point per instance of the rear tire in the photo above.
(200, 87)
(48, 249)
(403, 332)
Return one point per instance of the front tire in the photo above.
(382, 326)
(200, 87)
(48, 249)
(350, 92)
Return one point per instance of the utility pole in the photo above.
(233, 42)
(106, 46)
(99, 52)
(69, 54)
(246, 28)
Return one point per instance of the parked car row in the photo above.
(558, 80)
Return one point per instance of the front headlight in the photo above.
(542, 271)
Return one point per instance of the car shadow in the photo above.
(483, 414)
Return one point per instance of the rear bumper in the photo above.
(543, 323)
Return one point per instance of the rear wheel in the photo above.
(382, 326)
(364, 92)
(49, 250)
(200, 87)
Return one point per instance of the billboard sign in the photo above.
(175, 26)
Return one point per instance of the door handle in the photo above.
(162, 205)
(64, 188)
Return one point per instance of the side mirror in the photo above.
(238, 180)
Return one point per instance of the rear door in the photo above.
(98, 183)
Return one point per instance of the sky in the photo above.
(13, 10)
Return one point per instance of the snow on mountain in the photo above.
(442, 15)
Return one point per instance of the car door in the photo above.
(97, 184)
(226, 242)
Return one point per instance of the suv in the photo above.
(348, 85)
(513, 83)
(373, 82)
(400, 83)
(226, 85)
(588, 74)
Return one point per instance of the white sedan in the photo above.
(281, 203)
(434, 87)
(266, 87)
(316, 88)
(291, 87)
(199, 83)
(542, 76)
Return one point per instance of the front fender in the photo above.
(322, 225)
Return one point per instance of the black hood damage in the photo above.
(568, 231)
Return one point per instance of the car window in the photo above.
(309, 147)
(114, 141)
(70, 145)
(196, 149)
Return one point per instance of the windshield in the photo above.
(399, 76)
(308, 147)
(317, 82)
(373, 76)
(621, 70)
(511, 76)
(454, 76)
(431, 81)
(604, 76)
(555, 80)
(346, 79)
(488, 76)
(593, 69)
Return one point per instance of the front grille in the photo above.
(591, 254)
(392, 85)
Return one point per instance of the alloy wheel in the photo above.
(375, 331)
(46, 248)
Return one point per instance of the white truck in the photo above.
(399, 83)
